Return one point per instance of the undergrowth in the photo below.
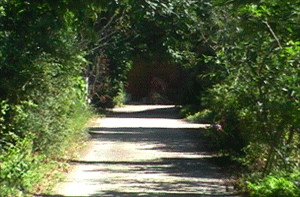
(279, 184)
(193, 114)
(229, 136)
(25, 170)
(121, 98)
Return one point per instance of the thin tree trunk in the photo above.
(268, 163)
(291, 135)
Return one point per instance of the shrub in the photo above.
(188, 110)
(42, 100)
(121, 98)
(277, 185)
(17, 166)
(23, 164)
(204, 116)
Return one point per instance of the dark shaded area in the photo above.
(169, 139)
(176, 166)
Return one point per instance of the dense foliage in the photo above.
(239, 64)
(42, 106)
(254, 100)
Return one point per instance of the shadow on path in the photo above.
(165, 139)
(150, 161)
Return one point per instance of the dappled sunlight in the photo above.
(146, 157)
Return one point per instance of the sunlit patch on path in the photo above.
(145, 151)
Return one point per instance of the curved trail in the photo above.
(144, 150)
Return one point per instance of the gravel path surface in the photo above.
(144, 150)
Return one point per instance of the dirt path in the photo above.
(145, 151)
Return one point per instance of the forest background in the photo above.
(239, 70)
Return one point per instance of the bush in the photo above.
(51, 118)
(42, 100)
(17, 166)
(121, 98)
(205, 116)
(281, 185)
(227, 135)
(26, 163)
(188, 110)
